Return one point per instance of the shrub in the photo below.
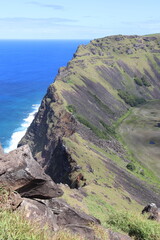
(131, 166)
(142, 81)
(145, 82)
(138, 81)
(130, 99)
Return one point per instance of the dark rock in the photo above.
(149, 39)
(19, 171)
(158, 125)
(119, 38)
(67, 215)
(93, 51)
(153, 210)
(129, 51)
(155, 51)
(89, 168)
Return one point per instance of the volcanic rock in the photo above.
(19, 171)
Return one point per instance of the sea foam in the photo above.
(20, 132)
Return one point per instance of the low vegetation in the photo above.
(136, 226)
(142, 81)
(130, 99)
(131, 166)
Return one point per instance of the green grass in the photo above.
(135, 225)
(14, 227)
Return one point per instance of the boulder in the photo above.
(129, 51)
(117, 236)
(153, 210)
(39, 213)
(67, 215)
(9, 200)
(21, 172)
(57, 214)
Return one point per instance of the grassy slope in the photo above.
(110, 197)
(108, 65)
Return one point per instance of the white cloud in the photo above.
(52, 6)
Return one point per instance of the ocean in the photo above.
(27, 68)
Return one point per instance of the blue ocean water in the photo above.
(27, 67)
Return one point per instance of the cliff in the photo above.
(77, 135)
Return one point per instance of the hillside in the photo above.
(79, 134)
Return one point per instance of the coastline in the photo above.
(18, 133)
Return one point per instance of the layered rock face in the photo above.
(73, 134)
(20, 172)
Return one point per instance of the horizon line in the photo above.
(46, 39)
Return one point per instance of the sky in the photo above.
(77, 19)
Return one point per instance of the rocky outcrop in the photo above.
(47, 131)
(57, 214)
(19, 171)
(35, 195)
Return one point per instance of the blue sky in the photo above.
(74, 19)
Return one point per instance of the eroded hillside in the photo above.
(74, 134)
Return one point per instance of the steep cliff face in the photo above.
(74, 134)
